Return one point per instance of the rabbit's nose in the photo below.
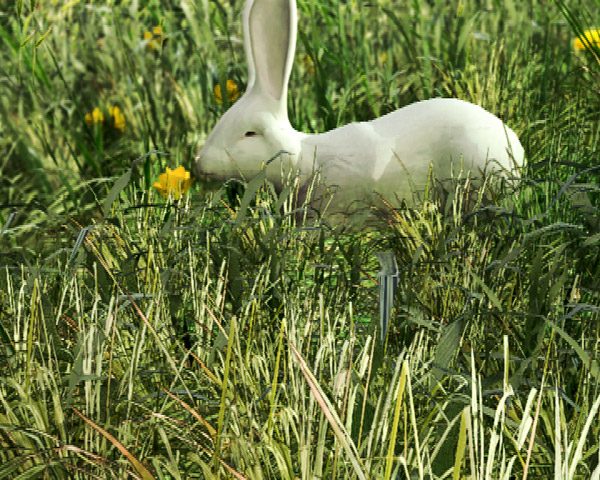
(198, 164)
(199, 159)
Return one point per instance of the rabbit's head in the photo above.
(256, 128)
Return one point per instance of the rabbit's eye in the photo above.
(250, 134)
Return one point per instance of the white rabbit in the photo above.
(363, 159)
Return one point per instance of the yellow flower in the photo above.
(118, 117)
(95, 117)
(307, 62)
(233, 92)
(176, 182)
(592, 37)
(155, 38)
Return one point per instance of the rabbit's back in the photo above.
(442, 130)
(392, 154)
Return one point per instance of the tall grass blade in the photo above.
(9, 220)
(114, 192)
(388, 284)
(327, 408)
(577, 455)
(224, 394)
(396, 421)
(135, 463)
(80, 238)
(462, 442)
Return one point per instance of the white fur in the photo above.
(361, 158)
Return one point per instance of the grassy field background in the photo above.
(209, 337)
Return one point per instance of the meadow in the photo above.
(223, 333)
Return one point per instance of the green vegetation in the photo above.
(215, 337)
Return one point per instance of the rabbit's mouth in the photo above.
(208, 177)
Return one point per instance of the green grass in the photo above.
(212, 339)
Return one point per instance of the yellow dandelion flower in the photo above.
(383, 58)
(155, 38)
(591, 36)
(95, 117)
(307, 62)
(175, 182)
(233, 92)
(118, 118)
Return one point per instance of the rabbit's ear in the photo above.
(270, 40)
